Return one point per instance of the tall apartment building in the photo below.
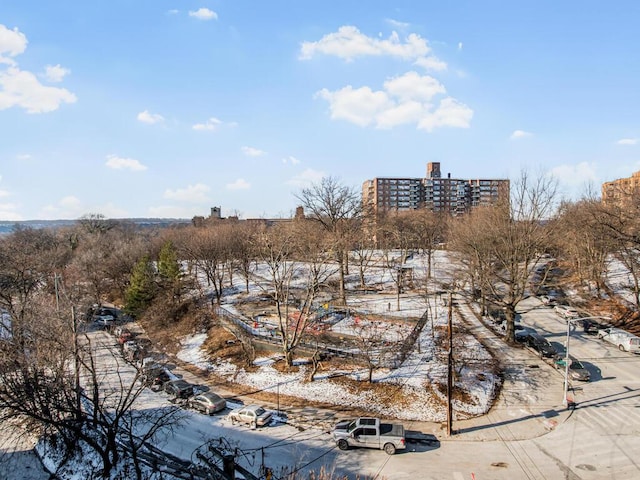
(438, 194)
(621, 191)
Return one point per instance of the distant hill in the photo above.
(8, 227)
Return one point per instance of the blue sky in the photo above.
(166, 108)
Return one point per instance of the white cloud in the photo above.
(12, 42)
(67, 207)
(348, 43)
(459, 45)
(23, 156)
(239, 184)
(4, 193)
(173, 11)
(412, 86)
(306, 178)
(8, 212)
(193, 193)
(403, 113)
(119, 163)
(575, 175)
(150, 118)
(406, 99)
(20, 88)
(627, 141)
(450, 113)
(55, 73)
(359, 106)
(431, 63)
(203, 14)
(397, 24)
(210, 125)
(252, 152)
(70, 202)
(517, 134)
(291, 159)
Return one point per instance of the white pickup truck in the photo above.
(369, 432)
(625, 341)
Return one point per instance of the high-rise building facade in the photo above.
(622, 191)
(446, 195)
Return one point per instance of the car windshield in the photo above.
(260, 411)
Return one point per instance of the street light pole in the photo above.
(565, 402)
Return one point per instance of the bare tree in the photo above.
(209, 249)
(585, 241)
(373, 344)
(39, 387)
(621, 224)
(296, 272)
(338, 209)
(503, 243)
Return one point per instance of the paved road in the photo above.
(527, 435)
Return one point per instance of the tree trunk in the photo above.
(510, 312)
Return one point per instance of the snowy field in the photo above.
(416, 378)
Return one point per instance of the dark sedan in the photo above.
(179, 388)
(538, 343)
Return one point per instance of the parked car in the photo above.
(522, 334)
(565, 311)
(131, 351)
(547, 300)
(156, 377)
(178, 388)
(591, 327)
(576, 368)
(104, 321)
(625, 341)
(208, 403)
(253, 415)
(540, 344)
(124, 337)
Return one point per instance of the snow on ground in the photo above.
(415, 378)
(620, 280)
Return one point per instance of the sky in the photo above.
(166, 108)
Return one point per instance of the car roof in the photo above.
(210, 395)
(180, 382)
(252, 407)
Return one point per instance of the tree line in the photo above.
(162, 274)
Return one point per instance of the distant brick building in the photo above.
(441, 195)
(622, 191)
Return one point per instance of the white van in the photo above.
(625, 341)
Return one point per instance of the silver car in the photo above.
(208, 403)
(253, 415)
(577, 371)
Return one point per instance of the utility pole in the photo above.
(55, 285)
(76, 359)
(450, 368)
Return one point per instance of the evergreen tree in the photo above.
(142, 287)
(168, 265)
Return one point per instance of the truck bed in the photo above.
(392, 429)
